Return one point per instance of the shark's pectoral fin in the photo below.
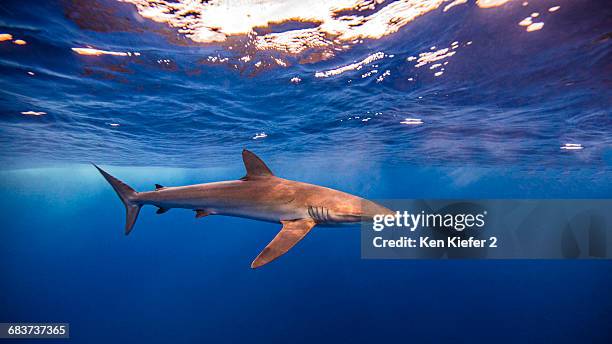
(162, 210)
(201, 213)
(292, 232)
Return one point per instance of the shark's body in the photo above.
(259, 195)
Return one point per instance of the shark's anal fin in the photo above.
(201, 213)
(255, 167)
(292, 232)
(162, 210)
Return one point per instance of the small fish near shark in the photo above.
(259, 195)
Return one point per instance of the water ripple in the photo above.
(449, 84)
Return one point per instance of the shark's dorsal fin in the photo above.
(158, 186)
(255, 167)
(292, 232)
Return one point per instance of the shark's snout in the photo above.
(371, 209)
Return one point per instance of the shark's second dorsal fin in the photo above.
(255, 167)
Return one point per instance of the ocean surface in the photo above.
(383, 99)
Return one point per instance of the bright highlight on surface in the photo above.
(353, 66)
(535, 27)
(412, 121)
(216, 21)
(526, 22)
(33, 113)
(531, 26)
(453, 4)
(97, 52)
(490, 3)
(8, 37)
(318, 26)
(572, 146)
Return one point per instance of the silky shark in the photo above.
(259, 195)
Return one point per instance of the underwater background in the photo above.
(383, 99)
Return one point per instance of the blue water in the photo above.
(493, 127)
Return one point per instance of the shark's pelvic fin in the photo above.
(162, 210)
(292, 232)
(201, 213)
(255, 167)
(127, 196)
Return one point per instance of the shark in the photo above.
(259, 195)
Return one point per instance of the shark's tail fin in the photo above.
(127, 195)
